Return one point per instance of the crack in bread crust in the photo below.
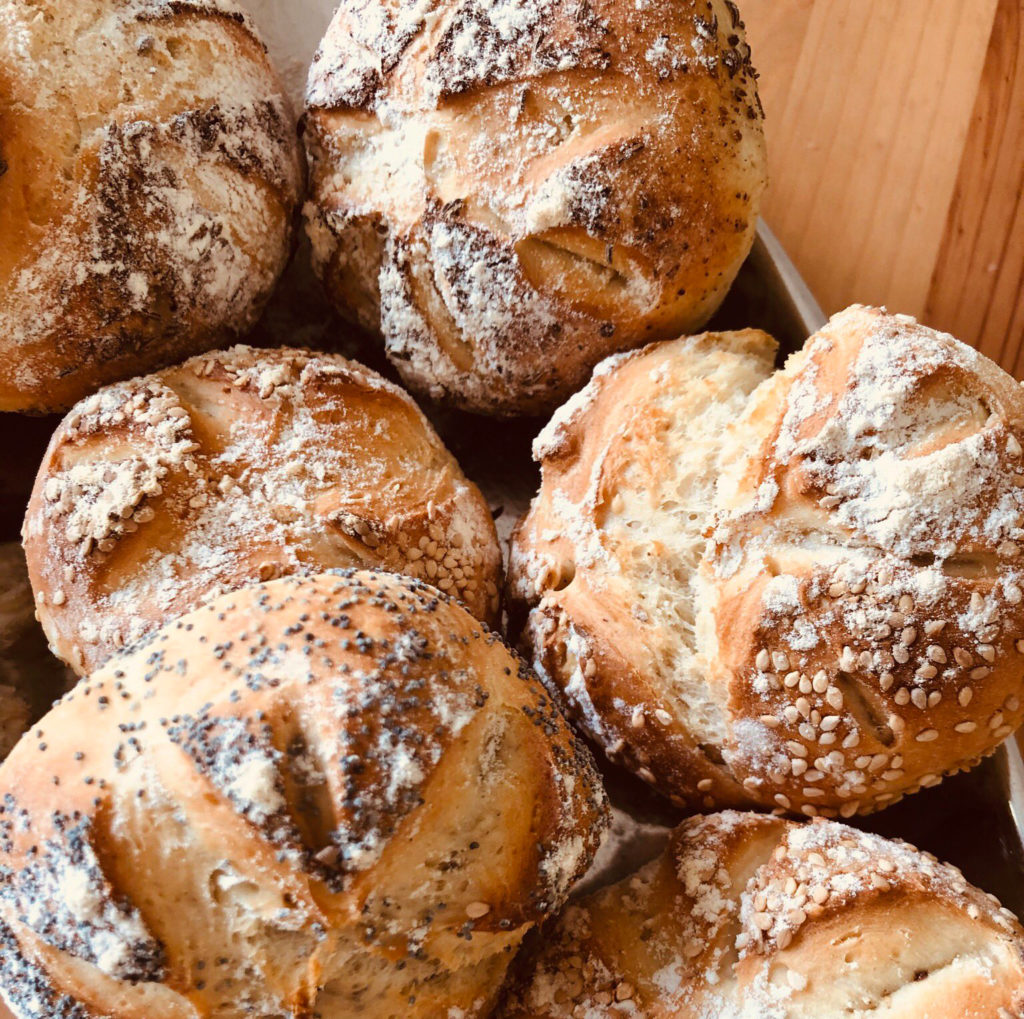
(853, 628)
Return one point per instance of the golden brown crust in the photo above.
(866, 572)
(328, 795)
(751, 917)
(854, 628)
(149, 172)
(509, 193)
(601, 569)
(237, 467)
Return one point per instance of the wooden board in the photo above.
(896, 148)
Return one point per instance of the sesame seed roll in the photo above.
(746, 916)
(160, 493)
(798, 592)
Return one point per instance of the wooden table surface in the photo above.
(896, 148)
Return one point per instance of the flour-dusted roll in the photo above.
(328, 796)
(149, 173)
(752, 917)
(853, 631)
(603, 569)
(508, 192)
(236, 467)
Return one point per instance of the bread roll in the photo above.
(160, 493)
(753, 917)
(855, 628)
(326, 796)
(603, 569)
(507, 192)
(149, 172)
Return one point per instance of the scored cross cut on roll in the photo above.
(853, 629)
(871, 546)
(508, 192)
(149, 173)
(160, 493)
(746, 916)
(321, 796)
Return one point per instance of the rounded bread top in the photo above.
(237, 467)
(149, 171)
(316, 793)
(508, 192)
(752, 917)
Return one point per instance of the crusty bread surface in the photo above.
(851, 630)
(149, 174)
(508, 192)
(239, 466)
(326, 796)
(747, 916)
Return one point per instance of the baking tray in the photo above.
(974, 820)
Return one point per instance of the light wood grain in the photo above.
(978, 278)
(896, 148)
